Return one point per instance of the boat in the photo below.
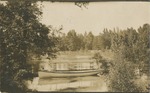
(44, 74)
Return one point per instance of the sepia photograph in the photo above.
(74, 46)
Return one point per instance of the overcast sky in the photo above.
(98, 16)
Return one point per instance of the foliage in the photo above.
(134, 46)
(73, 41)
(21, 35)
(88, 41)
(82, 4)
(121, 77)
(104, 64)
(132, 50)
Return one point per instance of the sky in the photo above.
(97, 15)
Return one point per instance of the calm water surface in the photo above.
(73, 84)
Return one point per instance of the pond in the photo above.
(72, 84)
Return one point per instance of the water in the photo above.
(73, 84)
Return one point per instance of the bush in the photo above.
(104, 64)
(121, 77)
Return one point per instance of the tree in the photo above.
(134, 46)
(142, 50)
(121, 76)
(88, 41)
(21, 34)
(63, 43)
(105, 39)
(81, 44)
(72, 40)
(95, 44)
(132, 50)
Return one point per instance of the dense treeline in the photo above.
(73, 41)
(108, 39)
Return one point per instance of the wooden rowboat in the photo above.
(44, 74)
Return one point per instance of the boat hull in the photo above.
(44, 74)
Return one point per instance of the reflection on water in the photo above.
(73, 84)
